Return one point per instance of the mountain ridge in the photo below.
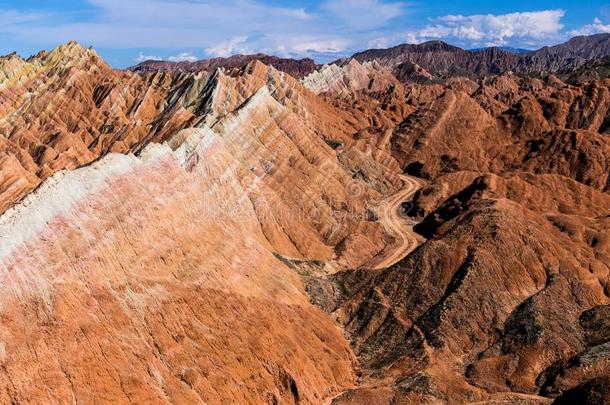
(436, 57)
(346, 237)
(294, 67)
(444, 60)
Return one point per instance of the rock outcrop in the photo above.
(349, 77)
(510, 123)
(66, 108)
(138, 279)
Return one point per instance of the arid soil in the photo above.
(266, 231)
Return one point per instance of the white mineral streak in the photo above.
(56, 195)
(61, 191)
(352, 76)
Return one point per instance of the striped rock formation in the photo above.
(241, 235)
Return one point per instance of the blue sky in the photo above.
(127, 31)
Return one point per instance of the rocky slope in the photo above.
(493, 306)
(239, 234)
(429, 61)
(349, 77)
(499, 303)
(66, 108)
(184, 255)
(597, 69)
(114, 291)
(509, 123)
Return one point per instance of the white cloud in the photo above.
(329, 29)
(183, 57)
(497, 29)
(237, 45)
(218, 27)
(387, 41)
(11, 18)
(596, 28)
(518, 29)
(143, 58)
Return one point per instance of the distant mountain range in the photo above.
(429, 60)
(294, 67)
(442, 60)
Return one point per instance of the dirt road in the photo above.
(397, 224)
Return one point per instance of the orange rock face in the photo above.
(144, 300)
(168, 277)
(67, 108)
(240, 235)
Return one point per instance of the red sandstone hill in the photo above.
(237, 234)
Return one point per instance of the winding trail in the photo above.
(398, 225)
